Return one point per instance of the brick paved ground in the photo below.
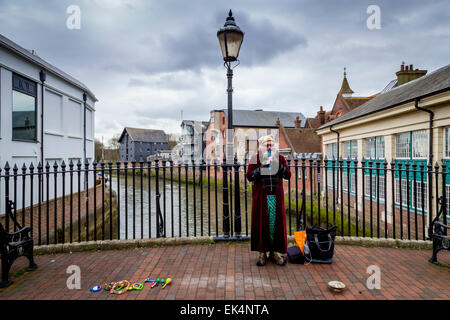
(228, 271)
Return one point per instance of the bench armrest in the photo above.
(440, 224)
(21, 232)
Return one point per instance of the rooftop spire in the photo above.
(345, 87)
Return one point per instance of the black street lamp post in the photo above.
(230, 39)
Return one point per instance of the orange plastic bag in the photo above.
(300, 239)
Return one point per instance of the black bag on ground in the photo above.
(321, 243)
(295, 255)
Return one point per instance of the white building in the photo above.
(33, 129)
(192, 139)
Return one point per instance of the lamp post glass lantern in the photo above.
(230, 39)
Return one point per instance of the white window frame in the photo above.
(353, 153)
(330, 178)
(369, 142)
(421, 144)
(405, 197)
(375, 179)
(413, 145)
(344, 181)
(419, 195)
(446, 142)
(397, 137)
(352, 182)
(447, 193)
(330, 151)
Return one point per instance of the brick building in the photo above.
(248, 127)
(344, 102)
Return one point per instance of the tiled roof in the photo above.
(303, 140)
(354, 102)
(265, 119)
(431, 83)
(145, 135)
(345, 87)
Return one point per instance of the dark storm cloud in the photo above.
(148, 60)
(264, 41)
(196, 46)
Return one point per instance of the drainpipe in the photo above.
(430, 156)
(42, 77)
(338, 136)
(416, 105)
(338, 143)
(86, 174)
(84, 126)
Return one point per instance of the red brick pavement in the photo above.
(228, 271)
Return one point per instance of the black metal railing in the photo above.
(162, 198)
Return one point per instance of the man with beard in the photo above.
(267, 169)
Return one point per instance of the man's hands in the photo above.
(256, 174)
(283, 172)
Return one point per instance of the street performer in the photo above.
(267, 169)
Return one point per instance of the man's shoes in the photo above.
(277, 259)
(262, 258)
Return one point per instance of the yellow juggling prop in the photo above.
(168, 281)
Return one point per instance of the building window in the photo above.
(332, 150)
(411, 144)
(332, 166)
(381, 188)
(344, 181)
(419, 186)
(446, 142)
(404, 190)
(419, 144)
(374, 148)
(350, 149)
(447, 194)
(330, 181)
(352, 182)
(377, 185)
(367, 186)
(402, 145)
(24, 109)
(414, 201)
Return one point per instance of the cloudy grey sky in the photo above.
(148, 60)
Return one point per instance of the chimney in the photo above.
(297, 122)
(321, 115)
(407, 73)
(278, 121)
